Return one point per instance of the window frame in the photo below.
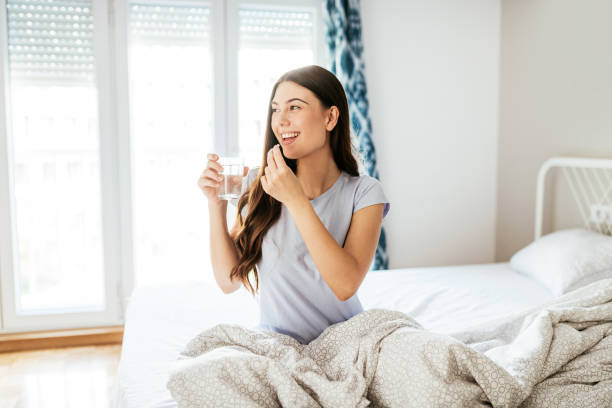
(7, 224)
(111, 36)
(111, 244)
(232, 44)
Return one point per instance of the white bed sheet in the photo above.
(161, 320)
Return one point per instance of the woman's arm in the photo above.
(343, 269)
(223, 252)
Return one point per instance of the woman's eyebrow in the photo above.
(291, 100)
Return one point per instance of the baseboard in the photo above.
(61, 338)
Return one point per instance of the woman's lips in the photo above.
(289, 140)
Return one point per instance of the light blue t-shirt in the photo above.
(293, 297)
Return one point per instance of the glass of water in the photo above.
(233, 170)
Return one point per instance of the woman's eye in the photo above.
(292, 107)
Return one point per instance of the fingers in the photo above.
(264, 184)
(211, 176)
(278, 157)
(270, 159)
(213, 164)
(207, 182)
(209, 187)
(275, 162)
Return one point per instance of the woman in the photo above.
(308, 224)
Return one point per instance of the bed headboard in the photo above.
(589, 182)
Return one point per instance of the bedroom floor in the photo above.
(62, 377)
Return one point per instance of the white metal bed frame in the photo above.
(590, 183)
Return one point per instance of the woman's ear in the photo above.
(332, 118)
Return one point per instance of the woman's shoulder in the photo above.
(247, 183)
(253, 171)
(367, 190)
(252, 175)
(362, 181)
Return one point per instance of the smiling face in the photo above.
(299, 121)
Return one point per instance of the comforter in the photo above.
(556, 355)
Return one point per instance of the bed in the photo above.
(160, 321)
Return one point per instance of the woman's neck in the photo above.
(317, 174)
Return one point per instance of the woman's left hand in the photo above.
(279, 180)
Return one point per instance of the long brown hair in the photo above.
(263, 209)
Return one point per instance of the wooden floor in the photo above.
(62, 377)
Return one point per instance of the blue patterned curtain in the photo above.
(346, 51)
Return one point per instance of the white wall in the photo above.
(556, 99)
(432, 72)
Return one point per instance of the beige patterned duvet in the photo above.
(558, 355)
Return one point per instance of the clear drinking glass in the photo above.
(233, 170)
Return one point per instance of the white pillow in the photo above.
(566, 260)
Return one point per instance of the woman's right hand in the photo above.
(210, 179)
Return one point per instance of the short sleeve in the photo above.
(369, 192)
(246, 183)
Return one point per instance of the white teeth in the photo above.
(286, 135)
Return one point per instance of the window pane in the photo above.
(56, 153)
(273, 40)
(171, 128)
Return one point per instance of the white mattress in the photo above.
(161, 320)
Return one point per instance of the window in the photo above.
(58, 213)
(273, 40)
(110, 108)
(171, 99)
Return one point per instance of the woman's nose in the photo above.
(282, 118)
